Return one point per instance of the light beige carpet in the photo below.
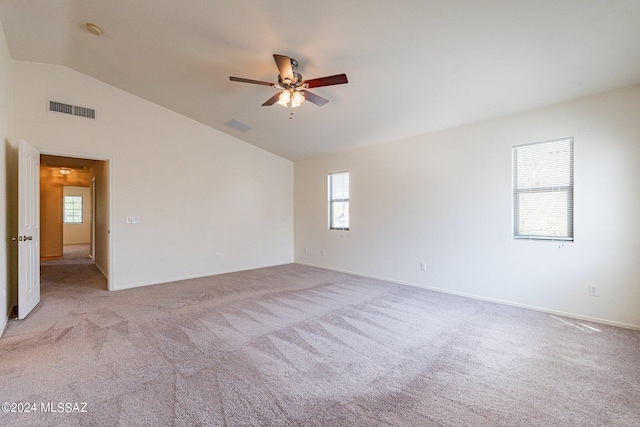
(299, 346)
(71, 254)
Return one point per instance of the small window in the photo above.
(72, 209)
(339, 201)
(543, 190)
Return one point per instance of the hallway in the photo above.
(74, 272)
(71, 254)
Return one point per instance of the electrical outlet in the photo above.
(594, 291)
(323, 252)
(305, 250)
(423, 266)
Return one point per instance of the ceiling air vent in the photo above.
(235, 124)
(74, 110)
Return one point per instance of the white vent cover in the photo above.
(74, 110)
(235, 124)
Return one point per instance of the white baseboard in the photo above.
(106, 276)
(481, 298)
(4, 325)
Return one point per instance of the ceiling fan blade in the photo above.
(272, 100)
(255, 82)
(314, 99)
(338, 79)
(284, 66)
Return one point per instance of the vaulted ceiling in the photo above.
(414, 66)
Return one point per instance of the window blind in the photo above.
(339, 201)
(543, 190)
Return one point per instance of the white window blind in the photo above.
(339, 201)
(543, 190)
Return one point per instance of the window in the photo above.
(543, 190)
(339, 201)
(72, 209)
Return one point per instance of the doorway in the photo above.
(73, 212)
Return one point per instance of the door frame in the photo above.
(92, 248)
(109, 209)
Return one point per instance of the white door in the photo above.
(28, 228)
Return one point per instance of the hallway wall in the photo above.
(51, 193)
(73, 234)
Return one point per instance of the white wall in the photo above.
(445, 199)
(81, 232)
(197, 192)
(6, 82)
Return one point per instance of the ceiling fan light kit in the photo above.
(284, 98)
(293, 86)
(297, 98)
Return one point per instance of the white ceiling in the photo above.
(414, 66)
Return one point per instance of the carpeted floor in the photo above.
(71, 254)
(299, 346)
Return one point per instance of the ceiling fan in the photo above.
(294, 88)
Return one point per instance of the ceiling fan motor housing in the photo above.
(291, 84)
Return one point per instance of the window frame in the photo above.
(332, 201)
(74, 213)
(548, 189)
